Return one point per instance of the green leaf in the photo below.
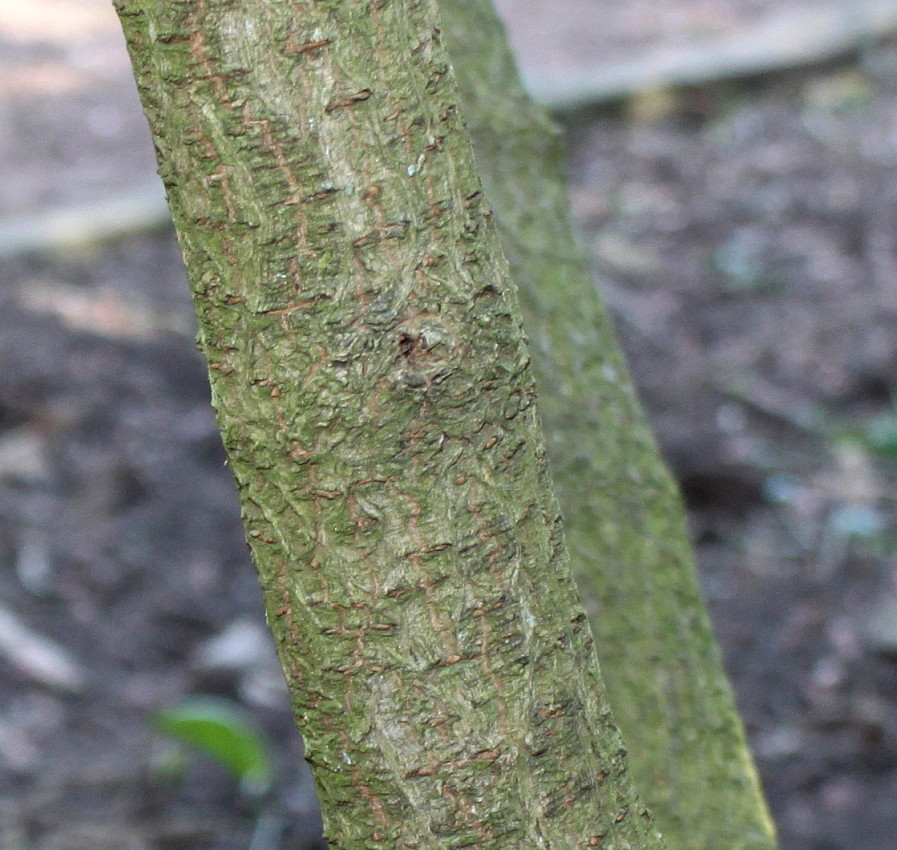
(221, 730)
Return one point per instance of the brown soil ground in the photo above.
(745, 236)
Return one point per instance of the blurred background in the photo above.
(733, 166)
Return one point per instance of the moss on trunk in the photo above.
(622, 512)
(375, 399)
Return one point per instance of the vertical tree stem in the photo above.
(622, 513)
(374, 396)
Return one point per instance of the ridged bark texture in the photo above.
(375, 400)
(622, 513)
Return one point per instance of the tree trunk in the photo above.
(622, 513)
(375, 400)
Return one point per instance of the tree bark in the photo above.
(374, 396)
(623, 516)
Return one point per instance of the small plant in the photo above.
(222, 731)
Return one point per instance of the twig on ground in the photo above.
(769, 400)
(37, 656)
